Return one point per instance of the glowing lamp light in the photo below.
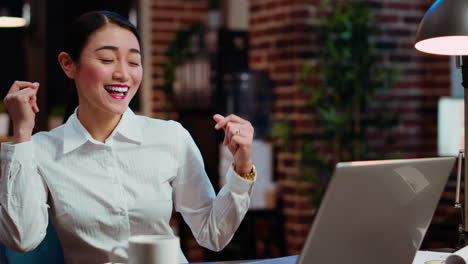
(444, 29)
(11, 19)
(449, 45)
(11, 22)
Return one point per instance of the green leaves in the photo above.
(350, 77)
(178, 51)
(282, 130)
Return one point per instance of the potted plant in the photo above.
(4, 120)
(349, 78)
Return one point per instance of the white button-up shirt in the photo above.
(98, 194)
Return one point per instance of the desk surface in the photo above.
(420, 258)
(283, 260)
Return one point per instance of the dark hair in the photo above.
(86, 24)
(77, 37)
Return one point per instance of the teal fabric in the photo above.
(2, 254)
(48, 252)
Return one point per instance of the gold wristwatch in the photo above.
(249, 175)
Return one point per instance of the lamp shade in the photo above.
(444, 29)
(9, 20)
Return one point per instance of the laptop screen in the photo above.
(376, 211)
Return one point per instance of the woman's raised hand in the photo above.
(238, 137)
(22, 108)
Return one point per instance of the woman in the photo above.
(107, 174)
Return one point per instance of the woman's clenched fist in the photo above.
(21, 102)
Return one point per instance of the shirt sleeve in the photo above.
(212, 218)
(23, 198)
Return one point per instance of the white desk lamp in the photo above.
(444, 31)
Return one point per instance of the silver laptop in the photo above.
(376, 211)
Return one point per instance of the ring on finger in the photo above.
(237, 132)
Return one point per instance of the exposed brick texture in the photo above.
(281, 41)
(167, 17)
(283, 37)
(423, 78)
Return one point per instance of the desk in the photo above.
(283, 260)
(420, 258)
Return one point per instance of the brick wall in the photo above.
(282, 39)
(423, 78)
(167, 17)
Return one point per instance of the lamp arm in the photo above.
(461, 156)
(458, 205)
(464, 68)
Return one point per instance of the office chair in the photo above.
(48, 252)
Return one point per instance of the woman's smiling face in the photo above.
(109, 70)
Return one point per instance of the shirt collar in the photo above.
(75, 134)
(129, 127)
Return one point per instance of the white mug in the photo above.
(150, 249)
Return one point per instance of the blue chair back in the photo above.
(3, 259)
(48, 252)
